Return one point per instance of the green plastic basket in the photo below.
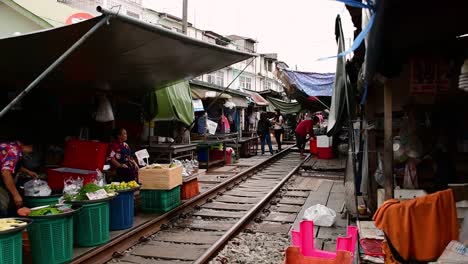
(11, 250)
(160, 201)
(31, 201)
(51, 240)
(91, 225)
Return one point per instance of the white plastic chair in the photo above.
(141, 156)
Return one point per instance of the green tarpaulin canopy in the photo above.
(173, 103)
(284, 107)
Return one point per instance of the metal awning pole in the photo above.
(53, 66)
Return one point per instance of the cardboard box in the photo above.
(160, 178)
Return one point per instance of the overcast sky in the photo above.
(300, 31)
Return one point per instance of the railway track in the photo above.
(199, 228)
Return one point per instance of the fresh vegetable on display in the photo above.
(122, 186)
(7, 224)
(45, 211)
(88, 188)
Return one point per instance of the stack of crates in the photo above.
(160, 188)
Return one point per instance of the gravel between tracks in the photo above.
(253, 248)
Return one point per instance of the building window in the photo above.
(216, 78)
(245, 82)
(267, 85)
(268, 65)
(133, 14)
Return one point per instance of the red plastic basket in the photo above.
(325, 153)
(313, 146)
(189, 189)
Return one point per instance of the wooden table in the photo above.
(248, 146)
(168, 151)
(204, 147)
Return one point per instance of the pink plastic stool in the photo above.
(304, 238)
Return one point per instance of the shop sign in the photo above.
(78, 17)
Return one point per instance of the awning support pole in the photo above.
(388, 142)
(54, 65)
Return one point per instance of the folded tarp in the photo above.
(126, 55)
(174, 103)
(311, 83)
(200, 93)
(258, 99)
(240, 102)
(284, 107)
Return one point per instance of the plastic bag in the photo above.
(37, 187)
(378, 175)
(100, 179)
(320, 215)
(72, 186)
(104, 111)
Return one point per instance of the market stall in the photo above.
(79, 98)
(410, 134)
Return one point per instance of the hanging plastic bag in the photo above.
(104, 111)
(378, 175)
(320, 215)
(411, 178)
(37, 187)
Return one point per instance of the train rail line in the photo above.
(200, 227)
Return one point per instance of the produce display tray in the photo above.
(93, 201)
(16, 229)
(128, 190)
(75, 208)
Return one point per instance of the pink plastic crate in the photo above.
(304, 238)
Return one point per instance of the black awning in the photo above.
(126, 55)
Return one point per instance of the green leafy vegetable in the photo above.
(45, 211)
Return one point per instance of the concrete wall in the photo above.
(13, 22)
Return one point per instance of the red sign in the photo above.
(77, 17)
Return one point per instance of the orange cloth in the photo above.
(421, 228)
(294, 256)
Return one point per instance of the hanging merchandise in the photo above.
(225, 127)
(104, 111)
(463, 78)
(411, 178)
(229, 104)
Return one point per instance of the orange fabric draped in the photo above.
(421, 228)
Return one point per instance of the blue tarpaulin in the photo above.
(312, 83)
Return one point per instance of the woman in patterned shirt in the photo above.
(10, 155)
(120, 158)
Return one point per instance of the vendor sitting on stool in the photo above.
(10, 155)
(123, 167)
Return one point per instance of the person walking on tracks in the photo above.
(278, 122)
(263, 131)
(305, 128)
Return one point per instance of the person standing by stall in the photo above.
(263, 131)
(10, 155)
(305, 128)
(120, 157)
(278, 122)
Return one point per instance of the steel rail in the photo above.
(104, 253)
(228, 235)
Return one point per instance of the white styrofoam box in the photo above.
(400, 194)
(324, 142)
